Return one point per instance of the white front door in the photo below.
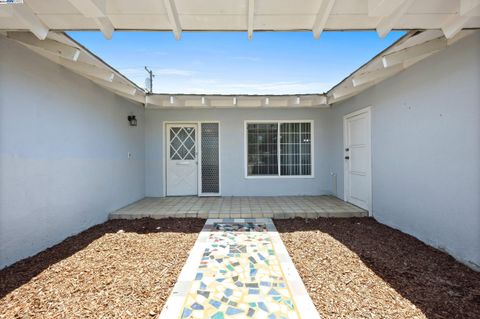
(182, 166)
(357, 159)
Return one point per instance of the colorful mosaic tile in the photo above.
(239, 277)
(240, 227)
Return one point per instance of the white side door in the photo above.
(357, 159)
(182, 164)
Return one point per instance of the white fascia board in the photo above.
(378, 74)
(87, 69)
(117, 86)
(51, 46)
(401, 56)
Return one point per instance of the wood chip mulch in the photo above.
(352, 268)
(358, 268)
(119, 269)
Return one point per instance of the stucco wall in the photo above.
(426, 149)
(63, 153)
(233, 181)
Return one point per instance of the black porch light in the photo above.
(132, 119)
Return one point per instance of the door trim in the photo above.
(199, 151)
(368, 111)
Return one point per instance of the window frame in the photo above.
(278, 122)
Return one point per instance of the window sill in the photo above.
(280, 177)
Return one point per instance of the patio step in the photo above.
(280, 207)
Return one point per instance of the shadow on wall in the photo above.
(433, 281)
(21, 272)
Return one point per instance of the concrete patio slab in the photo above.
(278, 207)
(239, 268)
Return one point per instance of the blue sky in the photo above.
(228, 63)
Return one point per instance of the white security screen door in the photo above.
(357, 159)
(182, 168)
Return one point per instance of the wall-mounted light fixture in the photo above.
(132, 119)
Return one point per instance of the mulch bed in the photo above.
(358, 268)
(119, 269)
(352, 268)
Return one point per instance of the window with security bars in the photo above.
(279, 149)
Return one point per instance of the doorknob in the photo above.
(347, 157)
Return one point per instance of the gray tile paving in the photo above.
(279, 207)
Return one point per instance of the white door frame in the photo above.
(346, 180)
(199, 156)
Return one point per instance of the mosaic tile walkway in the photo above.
(239, 268)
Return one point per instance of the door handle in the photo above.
(347, 157)
(183, 163)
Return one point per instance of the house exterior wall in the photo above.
(232, 154)
(63, 153)
(425, 149)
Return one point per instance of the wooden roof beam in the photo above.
(23, 12)
(173, 18)
(321, 18)
(250, 20)
(95, 9)
(415, 51)
(51, 46)
(387, 23)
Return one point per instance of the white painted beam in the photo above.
(387, 23)
(173, 18)
(26, 15)
(322, 17)
(95, 9)
(378, 74)
(413, 52)
(51, 46)
(106, 27)
(382, 8)
(87, 69)
(468, 6)
(90, 8)
(6, 11)
(455, 24)
(251, 16)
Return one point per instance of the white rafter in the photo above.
(51, 46)
(414, 52)
(95, 9)
(322, 17)
(173, 18)
(250, 20)
(456, 23)
(382, 8)
(26, 15)
(467, 6)
(387, 23)
(378, 74)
